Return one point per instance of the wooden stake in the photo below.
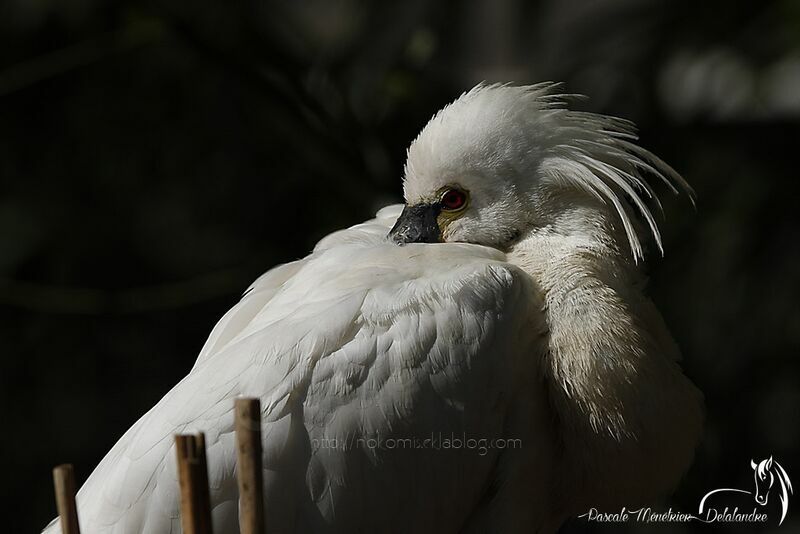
(193, 477)
(64, 482)
(248, 466)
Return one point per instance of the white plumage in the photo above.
(526, 322)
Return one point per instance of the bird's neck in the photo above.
(627, 418)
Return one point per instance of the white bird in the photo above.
(512, 318)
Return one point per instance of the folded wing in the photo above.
(383, 372)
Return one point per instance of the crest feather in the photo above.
(605, 161)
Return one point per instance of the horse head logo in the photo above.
(766, 473)
(762, 472)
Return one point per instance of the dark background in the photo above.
(156, 157)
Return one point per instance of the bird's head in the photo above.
(501, 161)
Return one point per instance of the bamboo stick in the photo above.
(64, 482)
(193, 477)
(248, 466)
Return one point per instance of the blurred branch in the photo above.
(46, 298)
(261, 62)
(279, 78)
(30, 72)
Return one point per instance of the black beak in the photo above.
(417, 224)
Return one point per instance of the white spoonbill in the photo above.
(482, 359)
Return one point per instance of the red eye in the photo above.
(453, 199)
